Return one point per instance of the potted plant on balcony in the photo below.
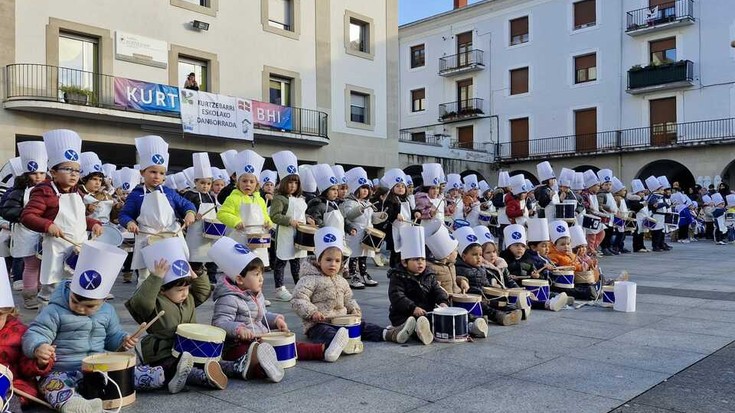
(449, 115)
(75, 94)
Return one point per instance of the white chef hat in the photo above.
(108, 169)
(664, 181)
(201, 165)
(170, 182)
(327, 237)
(566, 176)
(173, 251)
(339, 173)
(466, 237)
(286, 163)
(33, 156)
(413, 244)
(503, 179)
(483, 235)
(152, 151)
(189, 174)
(441, 243)
(706, 199)
(578, 181)
(97, 268)
(90, 164)
(590, 178)
(558, 229)
(16, 164)
(268, 176)
(376, 183)
(484, 186)
(248, 162)
(518, 184)
(454, 181)
(181, 182)
(6, 293)
(576, 233)
(470, 182)
(308, 182)
(228, 160)
(605, 175)
(717, 198)
(409, 180)
(230, 256)
(652, 183)
(730, 198)
(617, 185)
(545, 171)
(393, 177)
(324, 177)
(62, 145)
(538, 229)
(128, 179)
(356, 178)
(636, 186)
(514, 234)
(220, 174)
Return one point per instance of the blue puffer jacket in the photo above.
(131, 210)
(75, 336)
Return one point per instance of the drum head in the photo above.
(535, 283)
(110, 235)
(450, 311)
(201, 332)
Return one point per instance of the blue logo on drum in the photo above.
(32, 166)
(560, 229)
(90, 280)
(329, 238)
(333, 180)
(471, 238)
(71, 155)
(249, 169)
(242, 249)
(157, 159)
(291, 169)
(516, 235)
(180, 268)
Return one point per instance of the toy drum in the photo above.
(591, 222)
(649, 223)
(519, 297)
(485, 217)
(450, 324)
(729, 216)
(6, 384)
(305, 237)
(565, 210)
(353, 324)
(373, 239)
(459, 223)
(470, 302)
(261, 240)
(500, 295)
(585, 277)
(152, 239)
(379, 217)
(619, 222)
(672, 218)
(39, 249)
(213, 229)
(563, 278)
(119, 369)
(110, 235)
(70, 261)
(605, 220)
(608, 295)
(539, 289)
(203, 341)
(285, 346)
(630, 225)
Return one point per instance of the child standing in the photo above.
(592, 206)
(515, 200)
(97, 198)
(358, 214)
(324, 209)
(205, 204)
(428, 199)
(398, 208)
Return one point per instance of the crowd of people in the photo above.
(74, 226)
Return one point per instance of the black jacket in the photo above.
(543, 195)
(407, 291)
(479, 277)
(225, 192)
(12, 206)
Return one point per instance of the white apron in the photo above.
(473, 217)
(523, 219)
(103, 208)
(396, 227)
(333, 218)
(438, 220)
(156, 215)
(286, 234)
(71, 219)
(198, 245)
(550, 210)
(660, 225)
(595, 210)
(23, 241)
(360, 223)
(254, 220)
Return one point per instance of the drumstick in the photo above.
(21, 393)
(70, 241)
(209, 210)
(144, 326)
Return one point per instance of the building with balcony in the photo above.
(329, 66)
(639, 86)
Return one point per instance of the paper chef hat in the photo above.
(169, 182)
(181, 181)
(327, 237)
(228, 160)
(324, 177)
(514, 234)
(189, 175)
(558, 229)
(454, 181)
(248, 162)
(202, 167)
(441, 243)
(483, 235)
(590, 178)
(409, 180)
(652, 183)
(129, 178)
(518, 184)
(577, 234)
(356, 178)
(90, 164)
(636, 186)
(393, 177)
(566, 176)
(220, 174)
(286, 163)
(268, 176)
(62, 145)
(717, 198)
(706, 199)
(466, 237)
(470, 182)
(503, 179)
(376, 183)
(413, 244)
(538, 229)
(152, 151)
(730, 200)
(6, 293)
(339, 173)
(172, 250)
(545, 171)
(578, 181)
(308, 182)
(605, 175)
(16, 164)
(664, 181)
(97, 268)
(33, 156)
(230, 256)
(108, 169)
(484, 186)
(617, 185)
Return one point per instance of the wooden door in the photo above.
(519, 138)
(585, 129)
(663, 121)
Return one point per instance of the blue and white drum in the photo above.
(519, 298)
(70, 261)
(563, 278)
(39, 249)
(649, 223)
(213, 229)
(459, 223)
(203, 341)
(591, 222)
(565, 210)
(470, 302)
(539, 289)
(261, 240)
(450, 324)
(619, 223)
(608, 295)
(6, 385)
(485, 218)
(110, 235)
(353, 324)
(285, 345)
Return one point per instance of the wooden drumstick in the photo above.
(209, 210)
(70, 241)
(21, 393)
(144, 326)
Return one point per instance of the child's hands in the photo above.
(353, 232)
(44, 354)
(133, 227)
(246, 335)
(281, 325)
(189, 218)
(442, 305)
(160, 268)
(464, 286)
(97, 230)
(54, 231)
(129, 342)
(294, 223)
(317, 317)
(418, 312)
(240, 226)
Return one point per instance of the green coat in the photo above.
(147, 301)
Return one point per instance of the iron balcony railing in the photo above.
(37, 82)
(460, 109)
(640, 77)
(423, 137)
(658, 15)
(472, 58)
(663, 135)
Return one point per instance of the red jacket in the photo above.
(513, 207)
(42, 207)
(24, 369)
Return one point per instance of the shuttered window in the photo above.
(519, 30)
(585, 68)
(584, 14)
(418, 56)
(418, 100)
(663, 51)
(585, 129)
(519, 81)
(465, 137)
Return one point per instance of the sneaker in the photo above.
(378, 260)
(18, 285)
(30, 301)
(368, 281)
(570, 300)
(265, 355)
(215, 376)
(244, 363)
(78, 404)
(178, 381)
(423, 330)
(267, 303)
(683, 241)
(642, 250)
(511, 318)
(625, 251)
(282, 294)
(401, 333)
(478, 328)
(558, 302)
(355, 283)
(339, 342)
(721, 243)
(607, 253)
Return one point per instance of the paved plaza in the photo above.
(589, 359)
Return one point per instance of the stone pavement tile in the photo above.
(658, 309)
(675, 340)
(375, 356)
(492, 357)
(687, 398)
(424, 379)
(593, 377)
(608, 315)
(554, 343)
(696, 326)
(585, 328)
(512, 395)
(639, 408)
(719, 305)
(198, 400)
(646, 358)
(716, 371)
(414, 348)
(669, 300)
(339, 396)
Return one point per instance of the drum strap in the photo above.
(5, 407)
(123, 383)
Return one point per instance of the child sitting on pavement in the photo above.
(562, 255)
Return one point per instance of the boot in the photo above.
(506, 318)
(78, 404)
(30, 302)
(367, 280)
(401, 333)
(265, 364)
(423, 330)
(478, 328)
(355, 283)
(557, 302)
(339, 342)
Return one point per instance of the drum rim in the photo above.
(301, 228)
(459, 297)
(535, 283)
(451, 311)
(5, 371)
(368, 230)
(126, 360)
(338, 320)
(203, 332)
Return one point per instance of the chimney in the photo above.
(458, 4)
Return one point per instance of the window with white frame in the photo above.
(418, 100)
(359, 33)
(280, 90)
(280, 14)
(359, 107)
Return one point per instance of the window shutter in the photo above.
(584, 13)
(519, 26)
(519, 81)
(585, 62)
(663, 44)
